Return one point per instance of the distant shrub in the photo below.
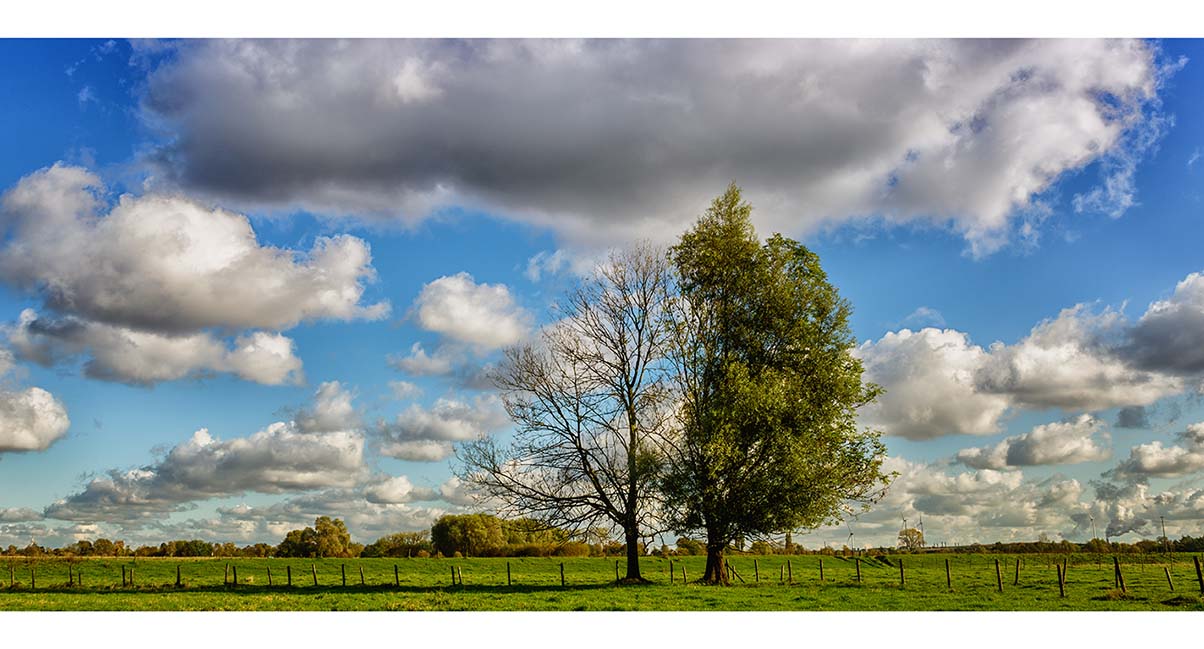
(457, 555)
(572, 549)
(423, 554)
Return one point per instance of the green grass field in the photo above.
(425, 584)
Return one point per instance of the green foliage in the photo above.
(911, 539)
(474, 535)
(770, 390)
(688, 546)
(327, 538)
(402, 544)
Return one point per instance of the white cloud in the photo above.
(397, 489)
(403, 390)
(616, 140)
(545, 263)
(1066, 363)
(1169, 336)
(484, 315)
(169, 264)
(283, 457)
(929, 381)
(143, 288)
(1063, 442)
(418, 363)
(332, 411)
(1155, 460)
(143, 357)
(425, 434)
(31, 420)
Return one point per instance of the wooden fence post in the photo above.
(289, 573)
(782, 574)
(1199, 575)
(1016, 581)
(123, 576)
(821, 569)
(314, 569)
(235, 576)
(998, 577)
(33, 578)
(616, 571)
(684, 580)
(70, 577)
(343, 569)
(460, 574)
(361, 575)
(561, 573)
(1061, 580)
(177, 575)
(757, 571)
(453, 575)
(902, 579)
(1120, 577)
(789, 572)
(397, 576)
(269, 575)
(858, 561)
(1168, 578)
(948, 576)
(131, 576)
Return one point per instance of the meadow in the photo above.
(535, 584)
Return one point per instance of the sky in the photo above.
(247, 283)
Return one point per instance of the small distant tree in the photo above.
(911, 539)
(402, 544)
(473, 535)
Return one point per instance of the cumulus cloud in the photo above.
(145, 358)
(284, 456)
(425, 434)
(930, 389)
(1063, 442)
(419, 363)
(403, 390)
(332, 411)
(139, 288)
(31, 420)
(19, 515)
(1133, 417)
(1066, 362)
(397, 489)
(966, 506)
(614, 140)
(1169, 336)
(484, 315)
(1153, 460)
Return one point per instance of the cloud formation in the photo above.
(930, 387)
(1062, 442)
(483, 315)
(143, 287)
(614, 140)
(31, 419)
(1153, 460)
(426, 434)
(283, 457)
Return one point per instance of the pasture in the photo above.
(770, 583)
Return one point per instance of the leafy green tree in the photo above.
(402, 544)
(472, 535)
(911, 539)
(590, 402)
(332, 538)
(768, 387)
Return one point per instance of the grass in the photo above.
(425, 584)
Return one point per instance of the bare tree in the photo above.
(591, 405)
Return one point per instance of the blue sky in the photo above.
(977, 189)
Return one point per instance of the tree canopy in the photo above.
(761, 350)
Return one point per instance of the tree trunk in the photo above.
(716, 572)
(633, 556)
